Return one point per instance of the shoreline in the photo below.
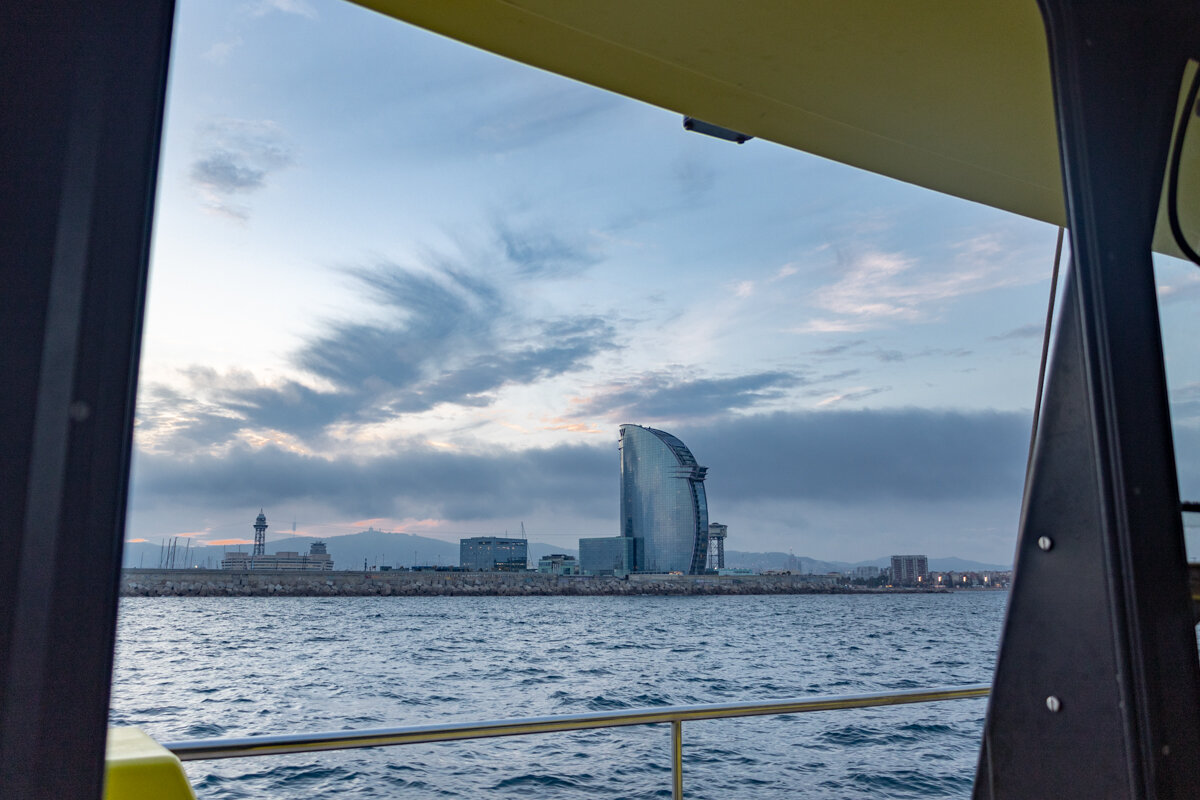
(288, 583)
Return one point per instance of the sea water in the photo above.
(208, 667)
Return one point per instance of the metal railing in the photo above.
(203, 749)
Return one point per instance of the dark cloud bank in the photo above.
(417, 482)
(866, 456)
(859, 457)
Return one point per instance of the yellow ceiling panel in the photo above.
(954, 96)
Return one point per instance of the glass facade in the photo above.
(663, 501)
(609, 555)
(492, 553)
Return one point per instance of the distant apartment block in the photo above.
(865, 573)
(317, 558)
(493, 554)
(558, 564)
(909, 570)
(965, 580)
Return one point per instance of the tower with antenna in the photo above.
(260, 534)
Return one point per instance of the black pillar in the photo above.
(1097, 686)
(83, 83)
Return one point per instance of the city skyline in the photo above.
(411, 549)
(400, 282)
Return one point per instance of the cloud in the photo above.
(1185, 405)
(235, 158)
(829, 325)
(694, 177)
(871, 291)
(787, 270)
(853, 456)
(1187, 288)
(853, 395)
(838, 349)
(443, 336)
(418, 481)
(300, 8)
(665, 396)
(224, 173)
(437, 315)
(528, 112)
(219, 52)
(1031, 331)
(877, 289)
(891, 356)
(563, 424)
(543, 252)
(1187, 456)
(184, 420)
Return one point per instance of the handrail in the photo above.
(202, 749)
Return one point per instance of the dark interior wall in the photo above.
(80, 118)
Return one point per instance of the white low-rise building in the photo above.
(317, 558)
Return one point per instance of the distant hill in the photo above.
(774, 560)
(378, 548)
(964, 565)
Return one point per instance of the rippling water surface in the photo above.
(203, 667)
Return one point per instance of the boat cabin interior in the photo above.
(1073, 112)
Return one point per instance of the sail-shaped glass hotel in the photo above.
(663, 501)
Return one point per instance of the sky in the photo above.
(399, 282)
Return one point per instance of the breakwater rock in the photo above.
(265, 583)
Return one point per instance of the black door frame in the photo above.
(1097, 684)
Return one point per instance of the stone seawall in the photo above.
(265, 583)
